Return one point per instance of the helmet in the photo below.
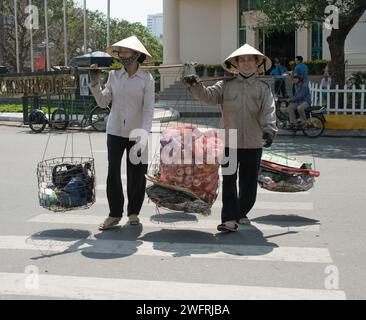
(298, 76)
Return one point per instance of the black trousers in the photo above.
(280, 87)
(136, 181)
(236, 206)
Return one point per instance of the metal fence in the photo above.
(338, 100)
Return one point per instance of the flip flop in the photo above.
(225, 228)
(133, 220)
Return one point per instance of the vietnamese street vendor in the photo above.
(131, 90)
(247, 106)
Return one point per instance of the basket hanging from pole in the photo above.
(66, 183)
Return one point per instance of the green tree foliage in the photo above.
(96, 32)
(290, 15)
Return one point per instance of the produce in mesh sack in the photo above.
(281, 182)
(190, 159)
(177, 200)
(281, 178)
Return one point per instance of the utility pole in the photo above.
(85, 27)
(65, 31)
(108, 22)
(16, 35)
(47, 39)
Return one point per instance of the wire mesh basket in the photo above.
(281, 173)
(66, 183)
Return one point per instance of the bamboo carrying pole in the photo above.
(142, 67)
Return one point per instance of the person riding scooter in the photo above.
(299, 102)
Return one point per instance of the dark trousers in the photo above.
(136, 181)
(280, 87)
(234, 206)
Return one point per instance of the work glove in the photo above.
(191, 80)
(268, 139)
(94, 75)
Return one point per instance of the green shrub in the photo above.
(316, 67)
(358, 79)
(211, 69)
(200, 69)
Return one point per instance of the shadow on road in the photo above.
(126, 240)
(90, 248)
(324, 148)
(289, 220)
(185, 243)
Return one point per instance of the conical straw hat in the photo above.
(264, 63)
(132, 43)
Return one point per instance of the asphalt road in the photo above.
(301, 246)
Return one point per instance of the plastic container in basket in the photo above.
(66, 183)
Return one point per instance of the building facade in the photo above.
(207, 31)
(155, 25)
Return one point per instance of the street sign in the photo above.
(84, 88)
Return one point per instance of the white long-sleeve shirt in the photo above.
(133, 101)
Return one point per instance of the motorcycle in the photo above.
(313, 127)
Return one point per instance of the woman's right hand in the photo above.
(191, 80)
(94, 74)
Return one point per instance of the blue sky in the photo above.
(130, 10)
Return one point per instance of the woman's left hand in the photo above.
(268, 139)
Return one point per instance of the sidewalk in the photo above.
(171, 115)
(16, 118)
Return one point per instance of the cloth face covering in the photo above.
(128, 61)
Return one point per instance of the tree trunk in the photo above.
(337, 69)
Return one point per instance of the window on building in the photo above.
(317, 41)
(243, 6)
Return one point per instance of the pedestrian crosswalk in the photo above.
(197, 243)
(162, 222)
(166, 249)
(260, 205)
(69, 287)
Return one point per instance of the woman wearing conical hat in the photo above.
(131, 90)
(249, 108)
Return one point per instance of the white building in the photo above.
(207, 31)
(155, 25)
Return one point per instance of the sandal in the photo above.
(244, 221)
(108, 223)
(227, 227)
(133, 219)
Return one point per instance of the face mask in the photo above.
(128, 61)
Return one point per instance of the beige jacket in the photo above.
(247, 105)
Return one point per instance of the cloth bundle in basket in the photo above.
(281, 174)
(66, 183)
(189, 165)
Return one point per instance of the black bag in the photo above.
(63, 173)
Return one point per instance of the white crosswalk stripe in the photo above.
(260, 205)
(166, 249)
(103, 187)
(71, 287)
(207, 224)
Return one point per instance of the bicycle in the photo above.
(64, 115)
